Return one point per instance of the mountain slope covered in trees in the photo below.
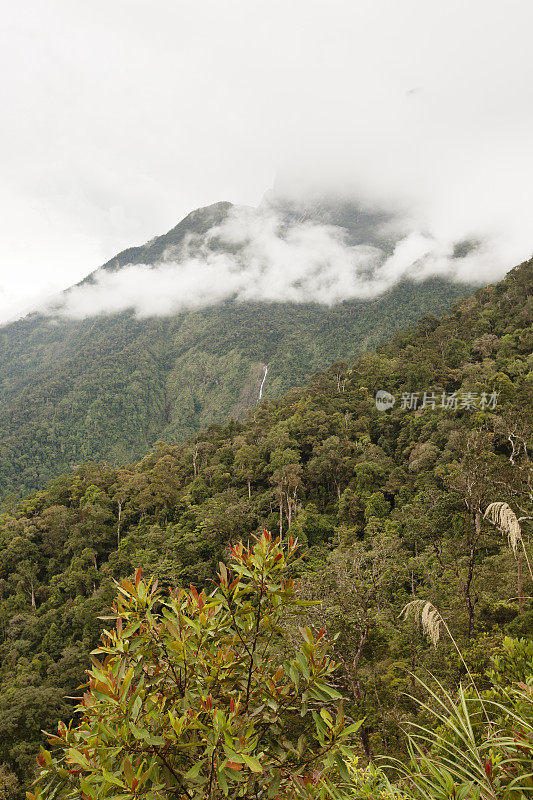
(387, 504)
(108, 387)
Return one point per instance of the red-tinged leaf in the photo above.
(194, 592)
(233, 765)
(138, 577)
(128, 585)
(134, 783)
(172, 628)
(128, 772)
(54, 740)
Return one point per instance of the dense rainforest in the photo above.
(388, 506)
(108, 387)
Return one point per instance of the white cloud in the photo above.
(267, 260)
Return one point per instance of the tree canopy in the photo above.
(389, 507)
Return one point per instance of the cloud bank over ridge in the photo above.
(263, 255)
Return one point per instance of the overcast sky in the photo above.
(121, 116)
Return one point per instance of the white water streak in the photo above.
(263, 382)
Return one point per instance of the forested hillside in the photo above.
(108, 387)
(387, 504)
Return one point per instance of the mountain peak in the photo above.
(198, 223)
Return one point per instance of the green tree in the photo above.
(9, 785)
(248, 463)
(332, 463)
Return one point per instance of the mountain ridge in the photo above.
(109, 386)
(199, 221)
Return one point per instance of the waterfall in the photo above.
(263, 382)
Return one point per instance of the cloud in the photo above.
(266, 255)
(202, 102)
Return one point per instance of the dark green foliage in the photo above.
(108, 388)
(390, 504)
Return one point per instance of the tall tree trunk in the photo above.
(520, 585)
(118, 522)
(355, 687)
(470, 605)
(365, 741)
(468, 593)
(412, 640)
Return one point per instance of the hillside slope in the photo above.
(108, 387)
(387, 504)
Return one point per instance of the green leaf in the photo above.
(353, 728)
(252, 762)
(222, 782)
(194, 771)
(128, 771)
(112, 779)
(75, 757)
(273, 784)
